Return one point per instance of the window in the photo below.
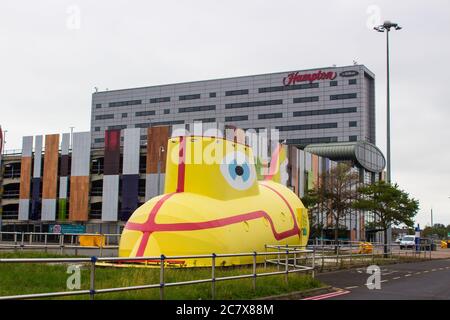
(352, 138)
(323, 112)
(124, 115)
(143, 137)
(307, 141)
(236, 118)
(253, 104)
(333, 83)
(167, 123)
(306, 99)
(236, 92)
(166, 111)
(205, 120)
(270, 115)
(343, 96)
(189, 97)
(292, 87)
(212, 94)
(99, 140)
(117, 127)
(98, 106)
(124, 103)
(104, 116)
(308, 126)
(158, 100)
(197, 108)
(161, 123)
(97, 129)
(352, 124)
(145, 113)
(352, 81)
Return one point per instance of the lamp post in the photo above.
(386, 26)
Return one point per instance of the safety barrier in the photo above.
(57, 241)
(288, 268)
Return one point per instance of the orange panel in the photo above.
(25, 178)
(79, 197)
(156, 138)
(50, 177)
(315, 168)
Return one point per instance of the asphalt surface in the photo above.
(429, 280)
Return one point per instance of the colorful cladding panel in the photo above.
(111, 176)
(63, 180)
(79, 180)
(110, 199)
(25, 178)
(130, 200)
(157, 138)
(79, 195)
(112, 152)
(50, 177)
(35, 198)
(36, 180)
(131, 145)
(130, 178)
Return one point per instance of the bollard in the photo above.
(213, 277)
(161, 278)
(92, 278)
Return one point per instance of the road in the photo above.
(429, 280)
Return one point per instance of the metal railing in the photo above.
(59, 241)
(162, 261)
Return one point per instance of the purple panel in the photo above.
(130, 200)
(35, 199)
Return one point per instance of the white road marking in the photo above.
(408, 275)
(418, 272)
(352, 287)
(433, 269)
(426, 271)
(384, 281)
(396, 278)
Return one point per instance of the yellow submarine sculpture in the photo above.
(214, 203)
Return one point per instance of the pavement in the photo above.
(428, 280)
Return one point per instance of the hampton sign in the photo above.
(294, 77)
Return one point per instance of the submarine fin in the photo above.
(278, 165)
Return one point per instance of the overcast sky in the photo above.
(53, 54)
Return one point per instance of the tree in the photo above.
(391, 206)
(437, 229)
(333, 195)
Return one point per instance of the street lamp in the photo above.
(386, 26)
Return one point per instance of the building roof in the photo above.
(363, 153)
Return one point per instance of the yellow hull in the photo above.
(184, 221)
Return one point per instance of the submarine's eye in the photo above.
(237, 170)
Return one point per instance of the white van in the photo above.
(408, 242)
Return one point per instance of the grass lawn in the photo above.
(39, 278)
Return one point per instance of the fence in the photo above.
(59, 241)
(291, 253)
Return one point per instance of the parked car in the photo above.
(407, 242)
(398, 240)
